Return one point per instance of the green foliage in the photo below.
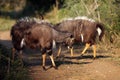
(18, 8)
(3, 63)
(10, 5)
(6, 23)
(71, 8)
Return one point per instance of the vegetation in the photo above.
(6, 23)
(10, 70)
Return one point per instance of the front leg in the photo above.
(71, 51)
(59, 51)
(43, 60)
(53, 63)
(94, 51)
(70, 45)
(51, 57)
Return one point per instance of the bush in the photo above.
(11, 70)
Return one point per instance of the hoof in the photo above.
(55, 67)
(94, 58)
(44, 68)
(81, 55)
(57, 57)
(71, 56)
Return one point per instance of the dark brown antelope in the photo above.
(17, 34)
(18, 31)
(36, 35)
(84, 30)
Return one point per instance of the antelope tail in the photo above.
(100, 30)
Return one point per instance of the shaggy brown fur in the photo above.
(33, 35)
(83, 30)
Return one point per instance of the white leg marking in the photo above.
(53, 63)
(82, 37)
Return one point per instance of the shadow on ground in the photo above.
(33, 57)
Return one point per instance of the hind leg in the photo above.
(86, 47)
(43, 60)
(94, 51)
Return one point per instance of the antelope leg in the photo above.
(43, 60)
(71, 51)
(53, 63)
(94, 51)
(59, 51)
(86, 47)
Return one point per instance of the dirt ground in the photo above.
(105, 67)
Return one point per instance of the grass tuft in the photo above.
(6, 24)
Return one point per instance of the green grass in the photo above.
(6, 24)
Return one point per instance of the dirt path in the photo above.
(76, 68)
(5, 38)
(99, 69)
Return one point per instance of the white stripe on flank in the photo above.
(82, 37)
(99, 31)
(54, 44)
(22, 43)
